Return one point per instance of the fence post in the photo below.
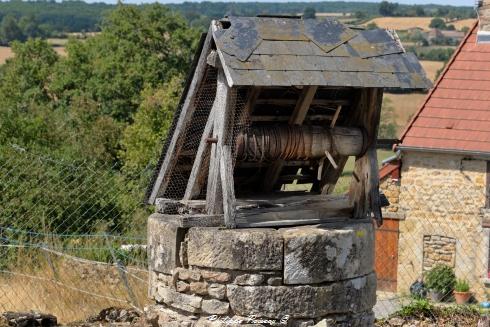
(122, 274)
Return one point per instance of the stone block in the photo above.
(249, 279)
(189, 303)
(182, 287)
(217, 291)
(199, 288)
(216, 276)
(152, 284)
(163, 244)
(316, 254)
(215, 307)
(274, 281)
(238, 249)
(189, 275)
(305, 301)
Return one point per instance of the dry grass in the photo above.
(70, 290)
(405, 105)
(431, 68)
(6, 53)
(405, 23)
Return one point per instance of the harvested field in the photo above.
(431, 68)
(6, 53)
(405, 23)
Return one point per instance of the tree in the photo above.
(387, 8)
(138, 48)
(437, 23)
(309, 12)
(419, 11)
(141, 142)
(371, 26)
(10, 30)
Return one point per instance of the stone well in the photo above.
(298, 276)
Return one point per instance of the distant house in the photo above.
(439, 184)
(437, 36)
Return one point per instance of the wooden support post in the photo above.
(330, 174)
(297, 118)
(185, 116)
(364, 188)
(194, 184)
(220, 196)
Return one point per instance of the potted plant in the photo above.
(440, 281)
(462, 292)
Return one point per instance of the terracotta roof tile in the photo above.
(456, 113)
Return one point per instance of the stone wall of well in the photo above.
(442, 197)
(303, 274)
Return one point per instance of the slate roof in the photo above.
(288, 51)
(456, 114)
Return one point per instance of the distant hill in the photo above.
(78, 16)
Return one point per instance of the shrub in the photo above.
(416, 308)
(441, 278)
(462, 285)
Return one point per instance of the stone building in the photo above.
(438, 184)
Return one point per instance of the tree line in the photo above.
(23, 19)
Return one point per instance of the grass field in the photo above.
(405, 23)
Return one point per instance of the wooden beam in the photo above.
(187, 221)
(194, 184)
(228, 188)
(298, 210)
(303, 104)
(290, 102)
(220, 195)
(364, 188)
(213, 193)
(185, 116)
(297, 118)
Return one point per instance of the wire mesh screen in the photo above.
(432, 251)
(203, 103)
(72, 242)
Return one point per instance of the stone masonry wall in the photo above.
(442, 195)
(439, 250)
(391, 189)
(203, 275)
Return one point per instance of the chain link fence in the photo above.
(73, 235)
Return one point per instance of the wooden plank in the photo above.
(335, 116)
(186, 113)
(284, 221)
(296, 213)
(303, 104)
(213, 193)
(220, 195)
(286, 118)
(187, 221)
(228, 188)
(364, 188)
(194, 184)
(297, 118)
(318, 102)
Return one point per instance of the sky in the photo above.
(439, 2)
